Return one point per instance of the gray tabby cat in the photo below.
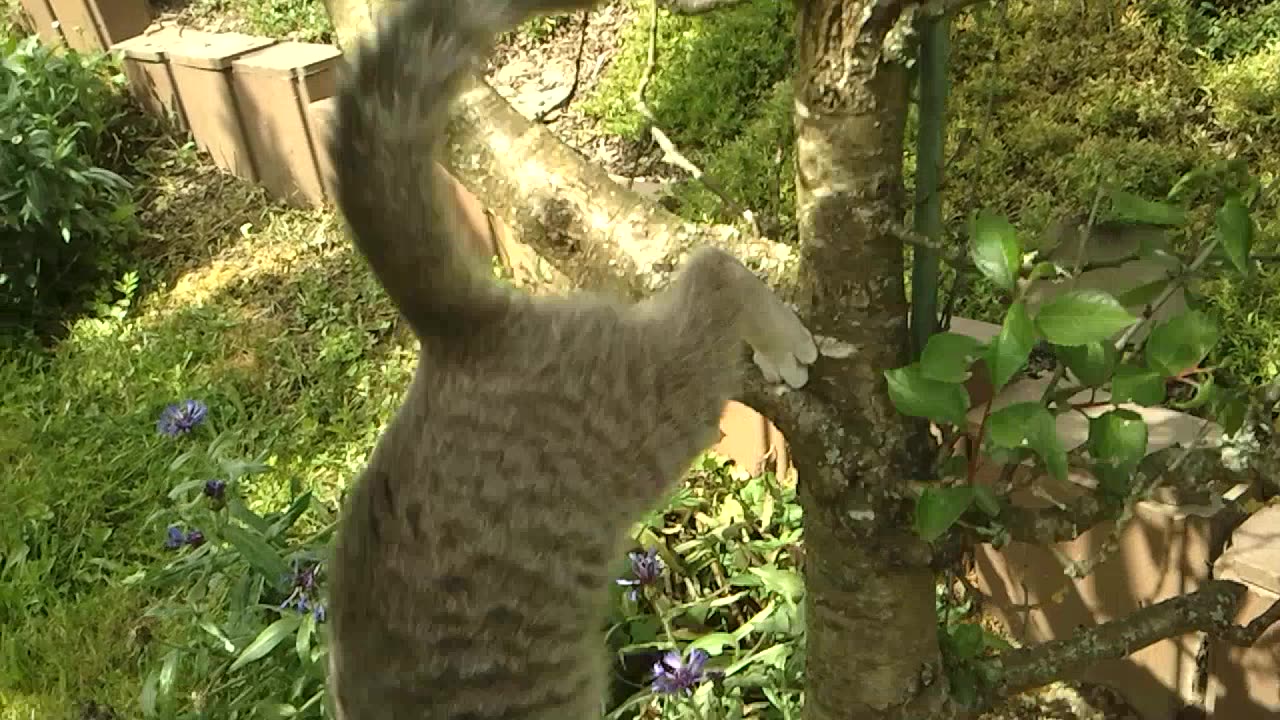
(472, 564)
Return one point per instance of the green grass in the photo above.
(285, 337)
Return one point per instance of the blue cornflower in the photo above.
(302, 583)
(646, 568)
(174, 538)
(673, 675)
(215, 489)
(181, 418)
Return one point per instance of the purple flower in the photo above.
(673, 675)
(175, 538)
(302, 590)
(215, 489)
(646, 569)
(181, 418)
(304, 575)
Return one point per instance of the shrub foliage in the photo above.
(63, 212)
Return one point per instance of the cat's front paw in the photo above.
(786, 349)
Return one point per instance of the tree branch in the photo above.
(602, 236)
(569, 209)
(670, 153)
(1196, 474)
(1210, 610)
(1046, 526)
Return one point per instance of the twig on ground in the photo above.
(563, 102)
(670, 153)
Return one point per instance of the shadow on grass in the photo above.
(288, 339)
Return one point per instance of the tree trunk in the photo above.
(872, 649)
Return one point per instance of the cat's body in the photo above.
(473, 558)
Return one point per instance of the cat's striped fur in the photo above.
(472, 560)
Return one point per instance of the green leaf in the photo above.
(213, 630)
(1205, 391)
(267, 640)
(1010, 349)
(246, 515)
(183, 488)
(772, 656)
(644, 629)
(256, 552)
(966, 640)
(995, 249)
(786, 583)
(1029, 424)
(1144, 294)
(939, 508)
(1043, 270)
(995, 642)
(149, 692)
(1079, 317)
(948, 356)
(1127, 207)
(963, 680)
(1117, 443)
(1181, 342)
(296, 510)
(1092, 363)
(168, 673)
(915, 395)
(1230, 408)
(302, 643)
(986, 500)
(1137, 385)
(1235, 232)
(714, 643)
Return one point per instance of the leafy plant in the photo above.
(241, 582)
(1080, 327)
(719, 621)
(1097, 371)
(63, 213)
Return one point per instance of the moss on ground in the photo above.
(720, 91)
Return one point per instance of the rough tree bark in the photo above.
(870, 586)
(871, 647)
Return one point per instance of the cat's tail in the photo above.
(392, 116)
